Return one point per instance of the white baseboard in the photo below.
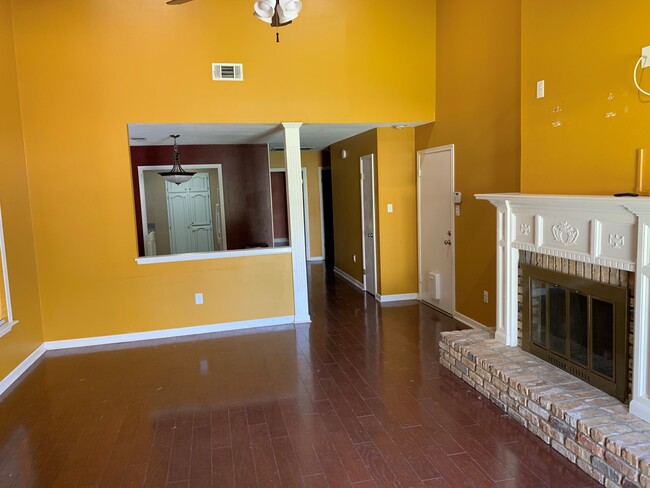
(316, 259)
(167, 333)
(349, 278)
(305, 319)
(471, 322)
(397, 298)
(18, 371)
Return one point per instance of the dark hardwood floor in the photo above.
(357, 398)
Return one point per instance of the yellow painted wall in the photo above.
(311, 161)
(478, 110)
(27, 335)
(346, 201)
(86, 69)
(396, 184)
(585, 50)
(395, 233)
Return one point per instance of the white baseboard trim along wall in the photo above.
(19, 370)
(397, 298)
(471, 322)
(349, 278)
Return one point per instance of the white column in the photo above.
(507, 278)
(640, 404)
(296, 222)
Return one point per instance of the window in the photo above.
(6, 318)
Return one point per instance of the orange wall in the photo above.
(346, 201)
(396, 184)
(27, 335)
(477, 110)
(86, 69)
(585, 50)
(395, 233)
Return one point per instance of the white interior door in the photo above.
(190, 216)
(436, 227)
(368, 223)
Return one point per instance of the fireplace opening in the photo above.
(578, 325)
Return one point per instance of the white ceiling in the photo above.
(316, 136)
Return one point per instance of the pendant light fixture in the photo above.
(177, 175)
(277, 13)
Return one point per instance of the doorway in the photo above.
(368, 223)
(436, 228)
(189, 217)
(327, 216)
(280, 204)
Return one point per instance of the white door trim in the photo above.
(305, 207)
(433, 150)
(374, 229)
(322, 212)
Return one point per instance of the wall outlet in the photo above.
(198, 298)
(457, 210)
(354, 258)
(485, 296)
(540, 89)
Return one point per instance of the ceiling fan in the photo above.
(277, 13)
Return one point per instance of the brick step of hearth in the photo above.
(590, 428)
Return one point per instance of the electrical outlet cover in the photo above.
(645, 52)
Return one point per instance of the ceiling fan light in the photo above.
(290, 8)
(263, 19)
(264, 9)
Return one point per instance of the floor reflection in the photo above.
(355, 396)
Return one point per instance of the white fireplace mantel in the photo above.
(605, 230)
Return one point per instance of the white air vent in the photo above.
(227, 72)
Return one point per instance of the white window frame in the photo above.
(5, 324)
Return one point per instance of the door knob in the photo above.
(370, 235)
(448, 242)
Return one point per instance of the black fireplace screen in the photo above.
(578, 325)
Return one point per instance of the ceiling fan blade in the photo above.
(177, 2)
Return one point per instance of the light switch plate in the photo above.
(540, 89)
(390, 208)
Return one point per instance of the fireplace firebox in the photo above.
(578, 325)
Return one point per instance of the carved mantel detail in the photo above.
(565, 234)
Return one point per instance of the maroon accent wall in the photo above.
(246, 192)
(280, 214)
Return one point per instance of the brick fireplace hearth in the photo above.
(604, 238)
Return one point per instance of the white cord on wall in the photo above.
(635, 77)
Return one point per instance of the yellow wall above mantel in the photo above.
(585, 51)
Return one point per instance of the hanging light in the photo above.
(177, 175)
(278, 13)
